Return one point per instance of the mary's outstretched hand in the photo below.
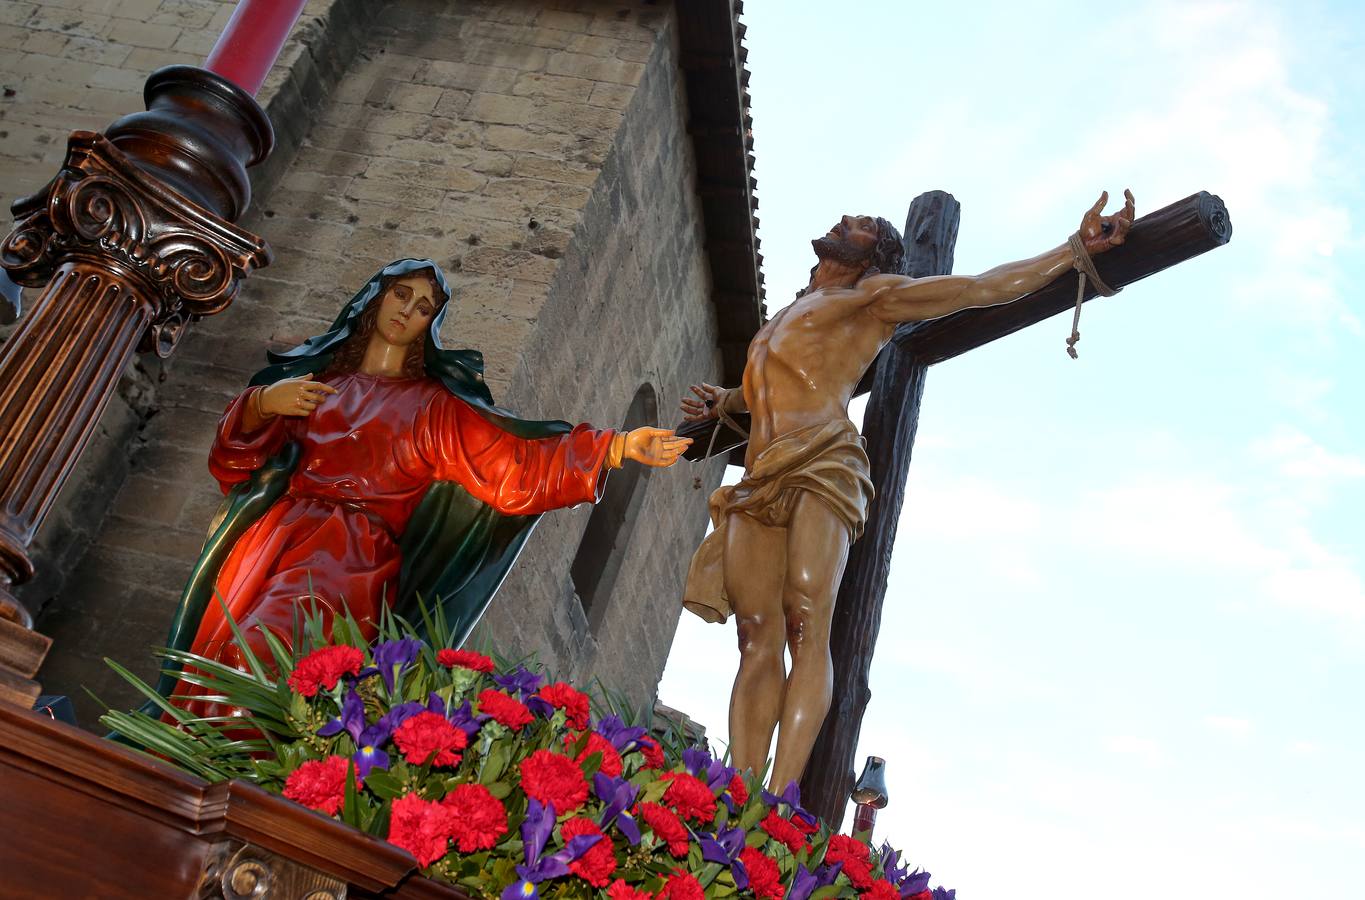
(655, 446)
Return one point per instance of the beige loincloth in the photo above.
(825, 460)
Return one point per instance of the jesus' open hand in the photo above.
(1099, 232)
(704, 405)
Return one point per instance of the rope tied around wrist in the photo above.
(723, 418)
(1085, 268)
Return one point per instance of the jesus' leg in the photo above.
(753, 583)
(817, 548)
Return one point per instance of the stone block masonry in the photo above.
(538, 152)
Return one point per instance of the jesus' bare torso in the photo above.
(780, 575)
(805, 362)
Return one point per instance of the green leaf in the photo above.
(495, 763)
(824, 893)
(384, 785)
(709, 871)
(753, 814)
(350, 809)
(248, 655)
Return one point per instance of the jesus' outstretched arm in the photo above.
(896, 298)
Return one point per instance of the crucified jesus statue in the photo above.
(782, 533)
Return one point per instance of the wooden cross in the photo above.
(1156, 241)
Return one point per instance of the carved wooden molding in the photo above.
(85, 817)
(237, 871)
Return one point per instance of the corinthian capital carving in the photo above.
(102, 207)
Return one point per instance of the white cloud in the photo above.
(1298, 457)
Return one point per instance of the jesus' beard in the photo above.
(844, 252)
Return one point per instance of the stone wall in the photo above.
(536, 151)
(626, 309)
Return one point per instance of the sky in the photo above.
(1123, 646)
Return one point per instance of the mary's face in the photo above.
(406, 310)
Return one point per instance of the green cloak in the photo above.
(456, 550)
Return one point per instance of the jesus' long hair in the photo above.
(348, 357)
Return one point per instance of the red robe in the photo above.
(369, 453)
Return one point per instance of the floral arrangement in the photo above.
(501, 781)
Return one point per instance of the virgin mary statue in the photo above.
(368, 466)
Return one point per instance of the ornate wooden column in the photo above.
(130, 241)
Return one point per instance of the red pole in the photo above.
(252, 41)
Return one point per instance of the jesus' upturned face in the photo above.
(850, 242)
(406, 310)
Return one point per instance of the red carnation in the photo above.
(738, 791)
(319, 784)
(681, 886)
(783, 831)
(690, 796)
(805, 827)
(568, 698)
(854, 854)
(551, 778)
(666, 826)
(477, 818)
(619, 890)
(841, 846)
(465, 659)
(611, 760)
(505, 709)
(884, 890)
(653, 753)
(427, 733)
(764, 878)
(595, 866)
(925, 894)
(324, 668)
(420, 827)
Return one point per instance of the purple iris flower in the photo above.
(464, 719)
(368, 755)
(696, 759)
(718, 775)
(521, 680)
(804, 884)
(391, 657)
(617, 796)
(894, 871)
(740, 875)
(352, 719)
(914, 883)
(944, 894)
(724, 848)
(825, 875)
(621, 736)
(792, 797)
(535, 834)
(368, 740)
(400, 714)
(540, 706)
